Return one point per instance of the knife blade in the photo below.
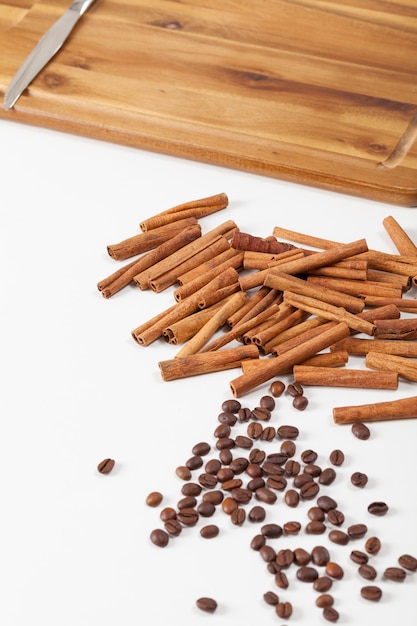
(44, 50)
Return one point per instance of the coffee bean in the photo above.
(267, 402)
(201, 449)
(238, 516)
(273, 568)
(292, 528)
(330, 614)
(292, 468)
(267, 553)
(358, 479)
(183, 472)
(335, 517)
(287, 432)
(266, 495)
(312, 470)
(326, 503)
(159, 537)
(208, 605)
(315, 527)
(307, 574)
(309, 490)
(337, 457)
(188, 517)
(213, 467)
(256, 483)
(239, 464)
(309, 456)
(373, 545)
(209, 531)
(207, 480)
(191, 489)
(301, 479)
(327, 476)
(271, 598)
(257, 514)
(206, 509)
(154, 498)
(244, 414)
(357, 531)
(225, 456)
(231, 405)
(222, 430)
(301, 556)
(168, 513)
(322, 584)
(241, 495)
(359, 557)
(254, 470)
(408, 562)
(257, 542)
(254, 430)
(323, 600)
(396, 574)
(229, 504)
(372, 593)
(277, 388)
(225, 443)
(223, 474)
(300, 403)
(283, 609)
(233, 483)
(272, 530)
(339, 537)
(188, 502)
(289, 448)
(334, 570)
(261, 413)
(285, 557)
(367, 571)
(214, 497)
(281, 579)
(291, 498)
(295, 389)
(276, 482)
(378, 508)
(320, 555)
(268, 433)
(361, 431)
(106, 466)
(257, 456)
(316, 513)
(243, 442)
(173, 527)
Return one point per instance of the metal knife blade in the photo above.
(44, 50)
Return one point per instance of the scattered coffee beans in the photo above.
(358, 479)
(159, 537)
(106, 466)
(330, 614)
(378, 508)
(408, 562)
(361, 431)
(154, 498)
(300, 403)
(372, 593)
(337, 457)
(271, 598)
(397, 574)
(277, 388)
(208, 605)
(372, 545)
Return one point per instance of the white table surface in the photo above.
(76, 388)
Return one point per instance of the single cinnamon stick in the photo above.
(358, 288)
(303, 238)
(105, 282)
(402, 241)
(286, 282)
(245, 241)
(263, 297)
(289, 320)
(345, 377)
(404, 408)
(224, 252)
(360, 347)
(401, 365)
(257, 278)
(401, 280)
(263, 260)
(390, 263)
(209, 297)
(181, 331)
(194, 208)
(396, 328)
(291, 334)
(274, 366)
(352, 270)
(307, 333)
(145, 241)
(406, 305)
(328, 359)
(206, 362)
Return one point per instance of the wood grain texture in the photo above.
(314, 92)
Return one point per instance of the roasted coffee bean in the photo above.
(207, 480)
(326, 503)
(261, 413)
(315, 527)
(277, 388)
(378, 508)
(357, 531)
(225, 456)
(330, 614)
(309, 456)
(256, 483)
(254, 430)
(257, 514)
(396, 574)
(334, 570)
(267, 553)
(233, 483)
(371, 592)
(244, 414)
(309, 490)
(267, 402)
(277, 458)
(213, 466)
(312, 470)
(272, 530)
(367, 571)
(241, 495)
(301, 479)
(188, 502)
(173, 527)
(287, 432)
(214, 497)
(276, 482)
(208, 605)
(201, 449)
(295, 389)
(223, 474)
(257, 456)
(301, 556)
(289, 448)
(283, 609)
(408, 562)
(292, 528)
(209, 531)
(229, 505)
(238, 516)
(281, 579)
(225, 443)
(159, 537)
(285, 557)
(188, 517)
(272, 469)
(335, 517)
(168, 513)
(194, 462)
(227, 418)
(257, 542)
(191, 489)
(327, 476)
(373, 545)
(324, 600)
(359, 557)
(154, 498)
(231, 405)
(320, 555)
(273, 568)
(358, 479)
(222, 430)
(337, 457)
(361, 431)
(239, 464)
(339, 537)
(300, 403)
(322, 584)
(307, 574)
(264, 494)
(106, 466)
(243, 442)
(316, 513)
(183, 472)
(271, 598)
(206, 509)
(291, 498)
(268, 433)
(292, 468)
(254, 470)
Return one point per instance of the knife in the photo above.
(44, 50)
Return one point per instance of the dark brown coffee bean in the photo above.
(359, 557)
(106, 466)
(301, 479)
(327, 476)
(295, 389)
(373, 545)
(281, 579)
(231, 405)
(396, 574)
(287, 432)
(277, 458)
(173, 527)
(183, 472)
(254, 430)
(292, 468)
(408, 562)
(324, 600)
(267, 402)
(168, 513)
(213, 497)
(272, 530)
(277, 388)
(284, 610)
(309, 456)
(316, 513)
(188, 502)
(257, 456)
(292, 528)
(229, 504)
(159, 537)
(208, 605)
(226, 417)
(239, 464)
(292, 498)
(213, 467)
(300, 403)
(378, 508)
(225, 457)
(154, 498)
(188, 517)
(266, 495)
(271, 598)
(367, 571)
(244, 414)
(256, 483)
(191, 489)
(243, 442)
(358, 479)
(307, 574)
(238, 516)
(276, 482)
(267, 553)
(222, 430)
(261, 413)
(225, 443)
(312, 470)
(206, 509)
(337, 457)
(209, 531)
(207, 480)
(241, 495)
(339, 537)
(330, 614)
(357, 531)
(320, 555)
(223, 475)
(257, 542)
(335, 517)
(361, 431)
(322, 584)
(309, 490)
(257, 514)
(334, 570)
(301, 556)
(201, 449)
(233, 483)
(254, 470)
(268, 433)
(372, 593)
(326, 503)
(315, 527)
(289, 448)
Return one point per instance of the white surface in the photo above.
(76, 388)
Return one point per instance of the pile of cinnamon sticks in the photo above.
(270, 307)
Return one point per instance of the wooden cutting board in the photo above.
(310, 91)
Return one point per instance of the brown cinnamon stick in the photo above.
(396, 328)
(345, 377)
(292, 318)
(328, 359)
(194, 208)
(406, 305)
(404, 408)
(256, 303)
(263, 260)
(245, 241)
(360, 347)
(293, 336)
(185, 328)
(401, 365)
(402, 241)
(358, 288)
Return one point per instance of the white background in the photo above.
(76, 388)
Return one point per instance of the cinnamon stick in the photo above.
(360, 347)
(224, 252)
(245, 241)
(406, 305)
(401, 365)
(194, 208)
(402, 241)
(404, 408)
(345, 377)
(358, 288)
(303, 238)
(281, 313)
(263, 260)
(328, 359)
(185, 328)
(396, 328)
(295, 334)
(257, 278)
(289, 320)
(257, 302)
